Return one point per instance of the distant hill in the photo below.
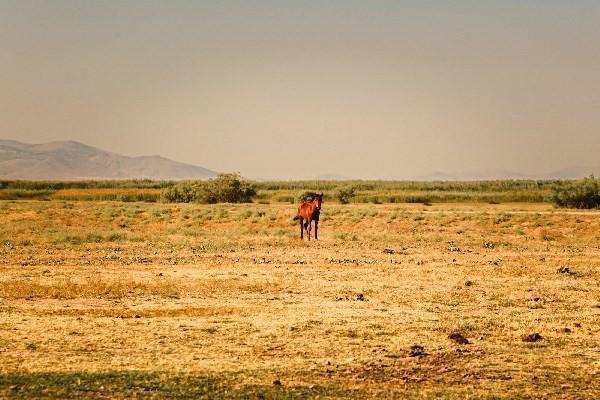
(70, 160)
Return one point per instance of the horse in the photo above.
(308, 212)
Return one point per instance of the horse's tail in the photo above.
(297, 217)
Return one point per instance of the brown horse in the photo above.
(308, 212)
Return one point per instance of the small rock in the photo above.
(566, 330)
(277, 382)
(577, 324)
(388, 251)
(137, 316)
(533, 337)
(359, 297)
(565, 269)
(458, 338)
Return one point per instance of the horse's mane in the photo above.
(312, 195)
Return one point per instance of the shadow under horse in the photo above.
(308, 212)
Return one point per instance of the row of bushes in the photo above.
(501, 185)
(87, 184)
(25, 194)
(582, 194)
(232, 188)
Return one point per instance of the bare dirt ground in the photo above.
(118, 300)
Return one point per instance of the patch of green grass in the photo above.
(25, 194)
(91, 237)
(142, 384)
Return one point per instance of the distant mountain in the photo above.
(69, 160)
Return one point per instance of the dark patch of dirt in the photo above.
(532, 337)
(437, 367)
(416, 350)
(459, 338)
(356, 297)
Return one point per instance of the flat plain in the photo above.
(150, 300)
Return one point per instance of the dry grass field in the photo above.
(120, 300)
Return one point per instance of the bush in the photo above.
(226, 188)
(345, 194)
(418, 199)
(184, 192)
(584, 193)
(24, 194)
(229, 188)
(305, 196)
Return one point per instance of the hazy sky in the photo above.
(293, 89)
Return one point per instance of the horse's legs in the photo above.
(301, 228)
(308, 228)
(316, 230)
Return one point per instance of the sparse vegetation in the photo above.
(374, 192)
(166, 300)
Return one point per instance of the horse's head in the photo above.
(317, 200)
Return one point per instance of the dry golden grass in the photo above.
(122, 300)
(92, 194)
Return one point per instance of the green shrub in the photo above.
(25, 194)
(418, 199)
(229, 188)
(584, 193)
(305, 196)
(184, 192)
(225, 188)
(345, 194)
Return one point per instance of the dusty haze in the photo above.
(380, 89)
